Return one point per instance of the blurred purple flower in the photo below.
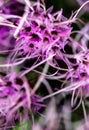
(12, 7)
(14, 97)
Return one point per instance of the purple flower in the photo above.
(14, 97)
(42, 32)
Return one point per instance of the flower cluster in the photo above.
(15, 97)
(42, 33)
(30, 36)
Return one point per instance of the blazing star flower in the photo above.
(42, 33)
(80, 66)
(14, 96)
(77, 79)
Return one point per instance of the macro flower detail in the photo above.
(44, 65)
(13, 97)
(42, 32)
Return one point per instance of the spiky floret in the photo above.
(42, 33)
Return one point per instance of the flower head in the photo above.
(15, 98)
(42, 32)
